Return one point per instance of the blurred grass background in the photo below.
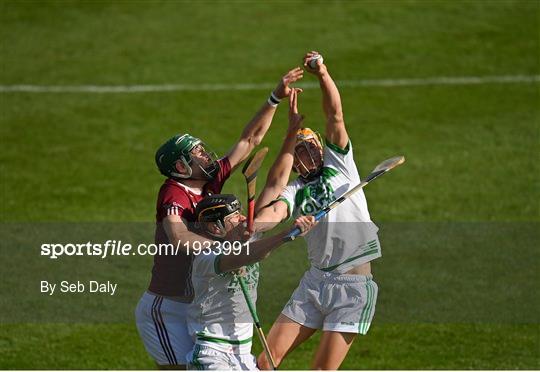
(472, 150)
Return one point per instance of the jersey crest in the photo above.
(251, 278)
(315, 196)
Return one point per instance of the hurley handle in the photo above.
(296, 231)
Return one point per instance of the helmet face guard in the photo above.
(308, 142)
(215, 209)
(212, 169)
(310, 168)
(180, 148)
(189, 161)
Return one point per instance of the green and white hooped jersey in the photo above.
(346, 237)
(219, 316)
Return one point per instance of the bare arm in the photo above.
(270, 216)
(336, 132)
(252, 135)
(177, 231)
(258, 126)
(281, 169)
(260, 249)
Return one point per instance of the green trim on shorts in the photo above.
(363, 325)
(371, 244)
(195, 358)
(338, 149)
(202, 337)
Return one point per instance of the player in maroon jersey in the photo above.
(192, 173)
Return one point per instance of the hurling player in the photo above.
(191, 172)
(337, 295)
(219, 318)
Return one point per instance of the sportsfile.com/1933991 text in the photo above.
(112, 248)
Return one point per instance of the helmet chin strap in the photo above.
(219, 235)
(209, 172)
(311, 175)
(222, 232)
(180, 175)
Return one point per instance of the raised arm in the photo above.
(331, 102)
(258, 126)
(270, 216)
(281, 169)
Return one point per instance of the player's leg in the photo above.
(162, 326)
(350, 308)
(299, 319)
(332, 350)
(284, 336)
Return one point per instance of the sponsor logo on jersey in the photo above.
(315, 196)
(251, 277)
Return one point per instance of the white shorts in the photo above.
(207, 358)
(333, 302)
(162, 326)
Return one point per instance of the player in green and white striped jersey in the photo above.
(219, 319)
(337, 294)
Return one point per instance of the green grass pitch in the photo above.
(459, 221)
